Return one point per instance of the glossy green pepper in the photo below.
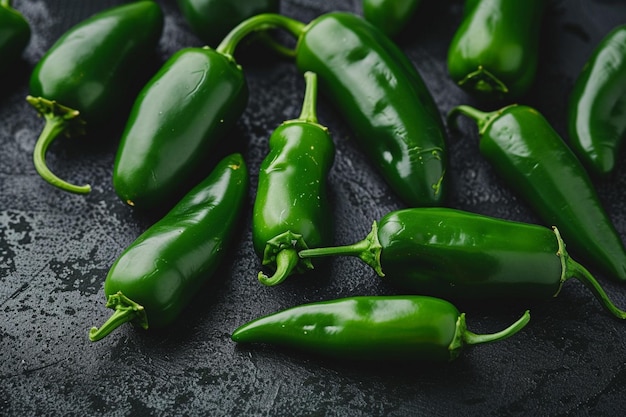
(597, 105)
(534, 160)
(494, 51)
(380, 94)
(291, 207)
(455, 254)
(156, 277)
(14, 35)
(191, 103)
(88, 75)
(380, 328)
(211, 20)
(390, 16)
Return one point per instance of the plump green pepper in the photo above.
(380, 328)
(455, 254)
(390, 16)
(291, 208)
(380, 94)
(155, 278)
(181, 113)
(14, 35)
(211, 20)
(597, 105)
(494, 51)
(535, 161)
(88, 75)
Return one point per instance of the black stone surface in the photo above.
(56, 248)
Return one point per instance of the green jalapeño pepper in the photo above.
(14, 35)
(390, 16)
(88, 75)
(455, 254)
(535, 161)
(494, 52)
(597, 105)
(379, 328)
(380, 94)
(191, 103)
(291, 208)
(211, 20)
(155, 278)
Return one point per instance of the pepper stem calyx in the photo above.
(126, 310)
(464, 337)
(572, 269)
(368, 250)
(281, 252)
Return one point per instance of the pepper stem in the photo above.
(483, 81)
(5, 3)
(281, 252)
(286, 261)
(309, 104)
(260, 22)
(572, 269)
(482, 119)
(126, 310)
(59, 119)
(368, 250)
(470, 338)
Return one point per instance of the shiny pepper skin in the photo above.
(597, 105)
(291, 207)
(494, 52)
(390, 16)
(379, 93)
(375, 328)
(15, 35)
(211, 20)
(455, 254)
(178, 117)
(88, 76)
(531, 157)
(385, 101)
(156, 277)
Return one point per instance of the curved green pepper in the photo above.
(535, 161)
(455, 254)
(390, 16)
(181, 113)
(211, 20)
(291, 208)
(14, 35)
(87, 76)
(597, 105)
(494, 52)
(380, 94)
(154, 279)
(380, 328)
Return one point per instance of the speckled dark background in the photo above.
(55, 250)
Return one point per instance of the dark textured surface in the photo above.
(55, 250)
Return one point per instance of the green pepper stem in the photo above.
(286, 261)
(260, 22)
(368, 250)
(5, 3)
(572, 269)
(59, 119)
(482, 119)
(126, 310)
(309, 104)
(470, 338)
(483, 81)
(281, 49)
